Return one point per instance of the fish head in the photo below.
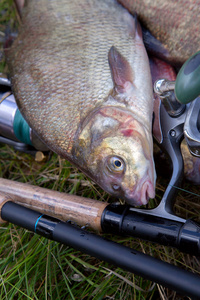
(118, 156)
(114, 143)
(125, 170)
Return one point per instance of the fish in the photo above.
(81, 78)
(174, 25)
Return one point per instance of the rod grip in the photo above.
(84, 211)
(114, 253)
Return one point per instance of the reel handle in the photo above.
(187, 86)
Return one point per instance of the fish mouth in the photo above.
(141, 195)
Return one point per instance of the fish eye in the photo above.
(116, 164)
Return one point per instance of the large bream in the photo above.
(81, 78)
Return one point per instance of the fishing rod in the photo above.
(127, 258)
(109, 218)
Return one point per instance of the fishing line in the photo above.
(181, 189)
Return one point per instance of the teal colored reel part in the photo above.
(21, 129)
(187, 86)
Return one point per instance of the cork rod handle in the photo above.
(83, 211)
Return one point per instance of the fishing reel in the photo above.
(14, 130)
(175, 95)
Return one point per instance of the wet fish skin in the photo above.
(174, 23)
(81, 78)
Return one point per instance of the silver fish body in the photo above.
(81, 78)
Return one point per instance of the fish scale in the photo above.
(78, 70)
(174, 23)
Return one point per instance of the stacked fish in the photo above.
(81, 77)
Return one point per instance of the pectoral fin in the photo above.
(121, 70)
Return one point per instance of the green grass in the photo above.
(32, 267)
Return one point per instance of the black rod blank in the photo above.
(131, 260)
